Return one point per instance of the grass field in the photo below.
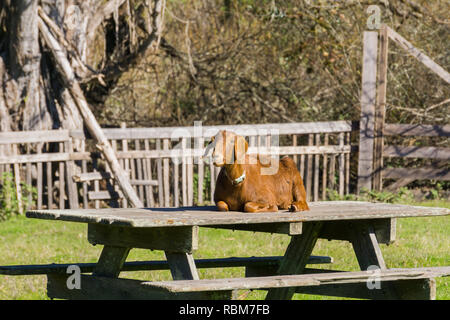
(420, 242)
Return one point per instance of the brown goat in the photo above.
(240, 185)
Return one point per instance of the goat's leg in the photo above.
(299, 193)
(259, 207)
(222, 206)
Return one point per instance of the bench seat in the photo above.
(270, 262)
(416, 283)
(298, 280)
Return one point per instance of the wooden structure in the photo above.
(373, 129)
(164, 164)
(175, 230)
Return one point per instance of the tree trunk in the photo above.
(32, 93)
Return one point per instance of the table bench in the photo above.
(175, 230)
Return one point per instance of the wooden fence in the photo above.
(373, 129)
(164, 164)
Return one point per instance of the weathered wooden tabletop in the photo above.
(204, 216)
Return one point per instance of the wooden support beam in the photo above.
(111, 261)
(103, 288)
(368, 102)
(182, 266)
(380, 110)
(423, 58)
(177, 239)
(296, 258)
(290, 228)
(91, 123)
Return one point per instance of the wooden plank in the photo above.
(316, 169)
(72, 192)
(294, 144)
(366, 247)
(190, 179)
(126, 162)
(184, 194)
(62, 192)
(140, 173)
(102, 195)
(347, 166)
(175, 132)
(182, 266)
(309, 170)
(341, 166)
(166, 175)
(293, 281)
(212, 179)
(417, 152)
(325, 170)
(384, 230)
(49, 172)
(28, 177)
(101, 288)
(421, 173)
(380, 109)
(208, 131)
(368, 96)
(200, 174)
(281, 228)
(44, 157)
(97, 186)
(111, 261)
(39, 178)
(416, 289)
(84, 171)
(332, 173)
(148, 176)
(233, 262)
(176, 183)
(159, 169)
(177, 239)
(423, 130)
(16, 169)
(157, 154)
(423, 58)
(295, 258)
(91, 176)
(35, 136)
(203, 216)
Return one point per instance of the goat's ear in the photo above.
(240, 148)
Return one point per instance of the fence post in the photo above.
(367, 120)
(380, 110)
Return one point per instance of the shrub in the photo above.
(9, 201)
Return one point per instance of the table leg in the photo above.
(368, 253)
(366, 247)
(296, 258)
(182, 265)
(111, 261)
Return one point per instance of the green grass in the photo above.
(420, 242)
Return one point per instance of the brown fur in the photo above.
(257, 192)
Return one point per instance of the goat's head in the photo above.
(227, 148)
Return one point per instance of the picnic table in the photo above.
(175, 230)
